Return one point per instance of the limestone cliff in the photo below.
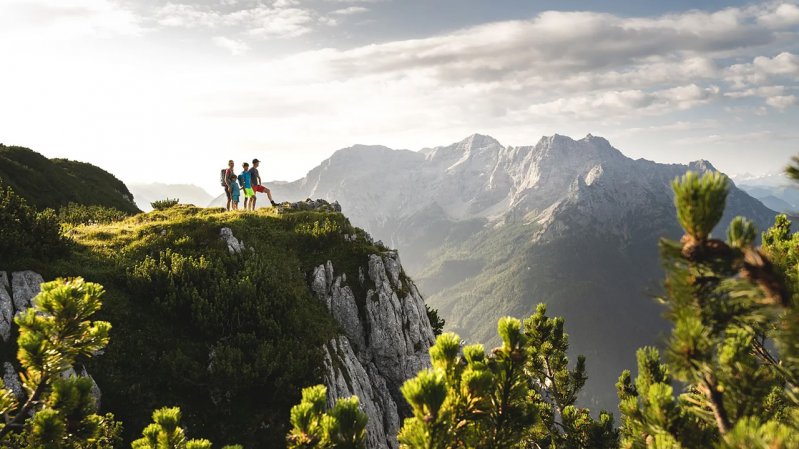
(385, 340)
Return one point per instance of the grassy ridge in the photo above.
(55, 183)
(229, 338)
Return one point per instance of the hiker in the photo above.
(255, 178)
(228, 177)
(246, 185)
(234, 192)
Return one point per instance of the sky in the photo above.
(168, 91)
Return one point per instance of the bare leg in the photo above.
(246, 201)
(269, 194)
(252, 201)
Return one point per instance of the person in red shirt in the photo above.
(255, 179)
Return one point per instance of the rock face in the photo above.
(385, 341)
(24, 287)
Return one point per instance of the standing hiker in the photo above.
(228, 177)
(246, 184)
(234, 191)
(255, 178)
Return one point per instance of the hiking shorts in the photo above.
(235, 196)
(248, 193)
(259, 188)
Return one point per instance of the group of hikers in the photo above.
(249, 180)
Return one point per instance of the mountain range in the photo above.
(489, 230)
(774, 190)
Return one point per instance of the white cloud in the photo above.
(66, 19)
(785, 15)
(350, 10)
(281, 19)
(763, 68)
(626, 103)
(235, 47)
(754, 136)
(782, 101)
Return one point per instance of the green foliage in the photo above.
(75, 214)
(792, 170)
(319, 228)
(436, 322)
(54, 183)
(729, 302)
(520, 395)
(25, 233)
(314, 426)
(60, 412)
(165, 433)
(563, 425)
(700, 202)
(231, 339)
(164, 204)
(741, 233)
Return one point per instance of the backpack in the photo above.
(222, 177)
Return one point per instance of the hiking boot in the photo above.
(274, 204)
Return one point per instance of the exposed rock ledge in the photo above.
(386, 340)
(23, 287)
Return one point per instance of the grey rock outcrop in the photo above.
(25, 285)
(6, 308)
(11, 380)
(16, 297)
(309, 204)
(385, 341)
(234, 245)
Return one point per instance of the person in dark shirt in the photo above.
(227, 180)
(255, 179)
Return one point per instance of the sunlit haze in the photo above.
(155, 90)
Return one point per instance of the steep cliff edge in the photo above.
(385, 341)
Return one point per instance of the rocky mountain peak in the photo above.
(701, 166)
(473, 146)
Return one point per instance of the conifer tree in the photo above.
(727, 300)
(470, 399)
(59, 412)
(165, 433)
(520, 395)
(314, 426)
(563, 424)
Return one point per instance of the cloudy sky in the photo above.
(160, 90)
